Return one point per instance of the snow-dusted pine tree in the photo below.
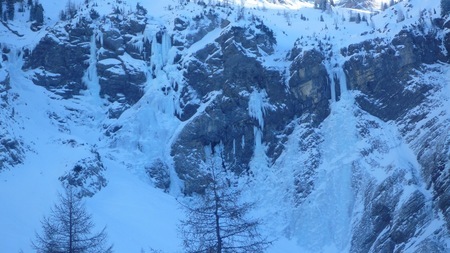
(68, 229)
(320, 4)
(1, 9)
(10, 9)
(218, 221)
(37, 13)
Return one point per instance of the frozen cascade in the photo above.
(154, 121)
(257, 106)
(151, 122)
(90, 78)
(160, 51)
(164, 74)
(324, 222)
(336, 73)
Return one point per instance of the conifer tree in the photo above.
(37, 13)
(21, 6)
(320, 4)
(358, 18)
(10, 9)
(68, 229)
(1, 9)
(217, 222)
(445, 7)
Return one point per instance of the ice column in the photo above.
(90, 78)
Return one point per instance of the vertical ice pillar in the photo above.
(336, 76)
(90, 78)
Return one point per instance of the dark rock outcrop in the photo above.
(121, 81)
(5, 84)
(380, 72)
(231, 69)
(62, 59)
(11, 151)
(86, 177)
(309, 83)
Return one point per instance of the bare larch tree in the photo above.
(68, 229)
(218, 222)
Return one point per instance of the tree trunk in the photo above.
(71, 233)
(217, 216)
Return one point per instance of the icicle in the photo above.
(160, 51)
(257, 106)
(234, 146)
(99, 37)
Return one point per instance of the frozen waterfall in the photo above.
(324, 221)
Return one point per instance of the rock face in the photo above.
(309, 83)
(59, 64)
(383, 79)
(72, 56)
(11, 146)
(247, 100)
(372, 66)
(243, 95)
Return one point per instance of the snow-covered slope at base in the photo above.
(58, 133)
(138, 216)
